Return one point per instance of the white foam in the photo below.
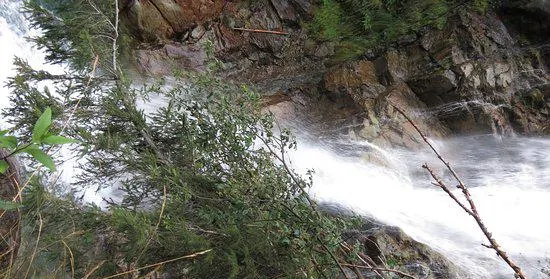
(514, 212)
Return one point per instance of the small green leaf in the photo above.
(8, 205)
(3, 166)
(41, 157)
(9, 142)
(3, 132)
(52, 139)
(42, 125)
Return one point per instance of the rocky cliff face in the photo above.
(477, 75)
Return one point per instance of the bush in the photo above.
(206, 173)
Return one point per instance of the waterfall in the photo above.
(12, 29)
(509, 180)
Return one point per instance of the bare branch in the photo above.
(444, 187)
(275, 32)
(192, 256)
(115, 27)
(401, 273)
(472, 211)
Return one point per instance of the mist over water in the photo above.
(509, 180)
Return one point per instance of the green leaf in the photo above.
(42, 125)
(9, 142)
(41, 157)
(3, 166)
(8, 205)
(52, 139)
(3, 132)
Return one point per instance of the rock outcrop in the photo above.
(161, 20)
(389, 247)
(473, 76)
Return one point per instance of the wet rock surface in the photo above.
(389, 247)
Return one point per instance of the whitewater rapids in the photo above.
(508, 179)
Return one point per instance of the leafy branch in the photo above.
(40, 137)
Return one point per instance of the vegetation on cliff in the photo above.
(358, 25)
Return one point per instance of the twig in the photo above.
(161, 263)
(40, 224)
(71, 258)
(441, 184)
(205, 231)
(472, 210)
(366, 260)
(163, 206)
(305, 194)
(494, 245)
(381, 269)
(261, 31)
(15, 151)
(115, 47)
(94, 269)
(455, 175)
(333, 258)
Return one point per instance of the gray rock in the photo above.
(390, 246)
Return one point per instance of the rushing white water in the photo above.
(509, 180)
(12, 30)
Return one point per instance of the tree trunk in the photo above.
(10, 231)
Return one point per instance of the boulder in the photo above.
(470, 74)
(167, 19)
(387, 246)
(473, 76)
(383, 124)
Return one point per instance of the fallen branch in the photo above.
(472, 210)
(275, 32)
(158, 264)
(366, 260)
(94, 269)
(394, 271)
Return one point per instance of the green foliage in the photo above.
(42, 125)
(7, 205)
(4, 166)
(481, 6)
(40, 156)
(327, 22)
(205, 171)
(40, 136)
(368, 24)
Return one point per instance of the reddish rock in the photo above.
(165, 19)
